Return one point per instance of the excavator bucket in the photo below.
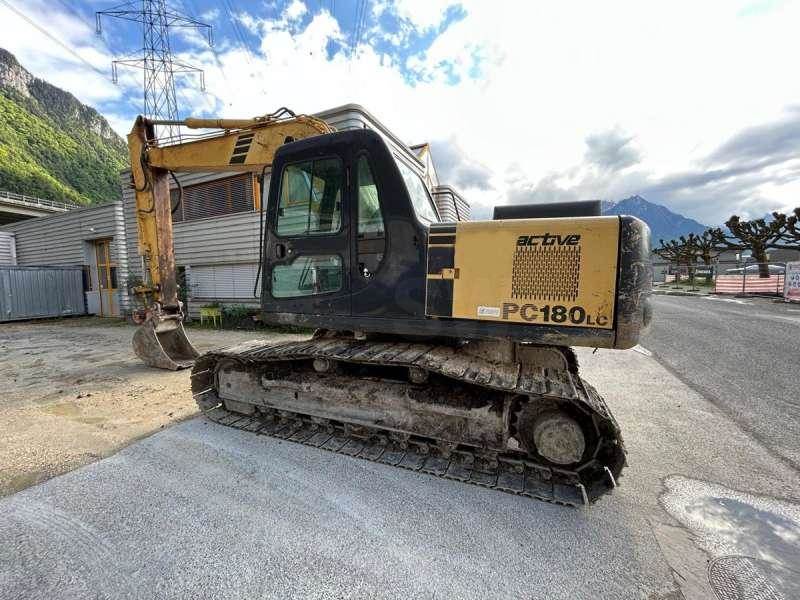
(163, 344)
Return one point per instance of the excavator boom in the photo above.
(239, 145)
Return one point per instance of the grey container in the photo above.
(40, 292)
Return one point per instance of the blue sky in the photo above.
(695, 105)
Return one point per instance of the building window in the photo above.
(233, 281)
(214, 198)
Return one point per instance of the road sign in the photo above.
(791, 282)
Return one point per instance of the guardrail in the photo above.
(24, 200)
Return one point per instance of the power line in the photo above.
(214, 50)
(74, 11)
(43, 31)
(360, 25)
(356, 25)
(361, 21)
(228, 6)
(237, 32)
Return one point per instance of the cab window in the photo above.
(371, 230)
(311, 198)
(370, 219)
(420, 198)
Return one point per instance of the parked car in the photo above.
(777, 269)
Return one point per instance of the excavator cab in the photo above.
(346, 232)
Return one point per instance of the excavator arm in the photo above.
(237, 145)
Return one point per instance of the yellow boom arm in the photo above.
(240, 145)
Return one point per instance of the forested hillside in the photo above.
(53, 146)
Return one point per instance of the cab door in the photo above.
(307, 252)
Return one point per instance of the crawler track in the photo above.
(508, 469)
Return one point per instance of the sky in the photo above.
(694, 105)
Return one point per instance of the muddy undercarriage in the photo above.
(508, 416)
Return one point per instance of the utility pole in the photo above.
(155, 58)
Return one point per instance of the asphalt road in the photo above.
(741, 354)
(199, 510)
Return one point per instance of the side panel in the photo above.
(560, 271)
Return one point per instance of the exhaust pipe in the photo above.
(162, 343)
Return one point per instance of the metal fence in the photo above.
(32, 201)
(723, 277)
(39, 292)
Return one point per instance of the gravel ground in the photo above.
(200, 510)
(75, 392)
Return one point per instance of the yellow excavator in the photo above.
(440, 347)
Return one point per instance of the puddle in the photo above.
(728, 523)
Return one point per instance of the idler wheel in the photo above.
(555, 436)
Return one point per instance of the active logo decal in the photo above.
(572, 239)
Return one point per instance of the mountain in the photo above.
(664, 224)
(53, 146)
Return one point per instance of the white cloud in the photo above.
(552, 100)
(672, 80)
(423, 14)
(87, 75)
(295, 10)
(210, 16)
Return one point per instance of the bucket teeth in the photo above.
(163, 349)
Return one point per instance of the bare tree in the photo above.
(680, 251)
(756, 235)
(791, 234)
(705, 249)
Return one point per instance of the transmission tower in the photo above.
(155, 58)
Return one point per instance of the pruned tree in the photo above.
(791, 235)
(680, 252)
(705, 248)
(756, 235)
(676, 251)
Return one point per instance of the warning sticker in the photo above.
(488, 311)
